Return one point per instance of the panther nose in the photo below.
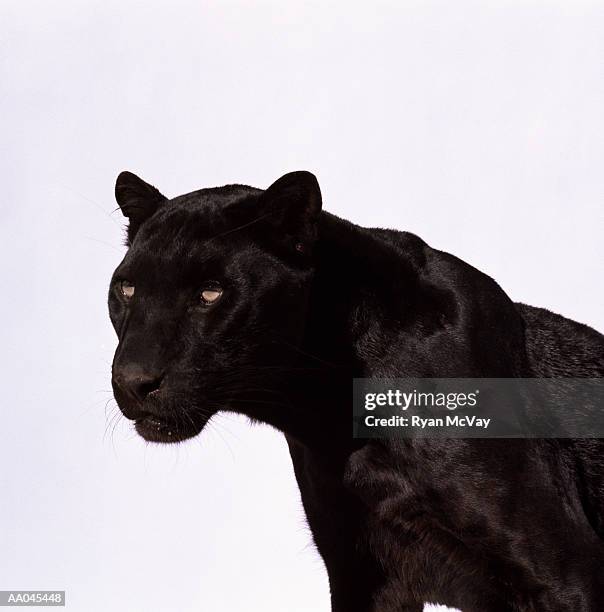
(136, 381)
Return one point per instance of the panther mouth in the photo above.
(156, 429)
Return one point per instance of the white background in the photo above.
(477, 125)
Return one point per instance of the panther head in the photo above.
(209, 301)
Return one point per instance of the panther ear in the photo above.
(137, 199)
(293, 207)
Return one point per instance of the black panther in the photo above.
(257, 301)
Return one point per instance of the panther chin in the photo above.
(161, 431)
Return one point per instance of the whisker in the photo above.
(240, 227)
(103, 243)
(91, 201)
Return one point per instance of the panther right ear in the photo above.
(137, 199)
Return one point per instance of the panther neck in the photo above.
(348, 286)
(349, 296)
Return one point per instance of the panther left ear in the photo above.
(137, 199)
(293, 208)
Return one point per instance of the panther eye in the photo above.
(211, 294)
(127, 289)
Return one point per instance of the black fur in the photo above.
(310, 301)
